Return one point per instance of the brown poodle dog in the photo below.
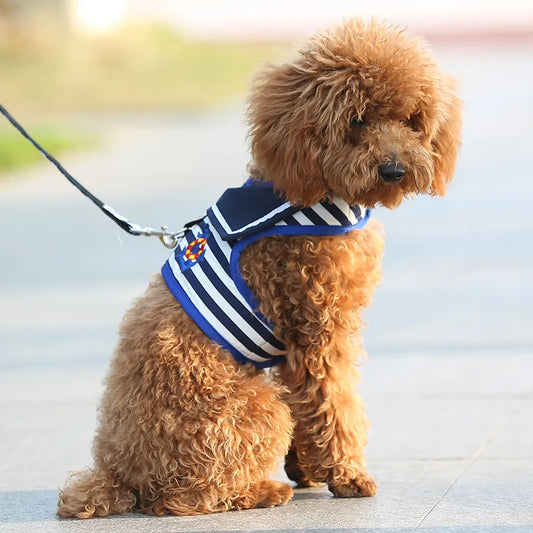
(362, 114)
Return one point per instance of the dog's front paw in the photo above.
(266, 493)
(274, 493)
(362, 485)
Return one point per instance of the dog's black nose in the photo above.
(392, 172)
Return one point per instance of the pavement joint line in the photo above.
(471, 463)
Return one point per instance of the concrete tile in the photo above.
(515, 439)
(486, 528)
(424, 427)
(42, 442)
(408, 490)
(491, 493)
(444, 406)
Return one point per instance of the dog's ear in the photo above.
(446, 139)
(285, 147)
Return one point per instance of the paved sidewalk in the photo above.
(448, 383)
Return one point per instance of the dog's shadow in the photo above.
(311, 493)
(20, 506)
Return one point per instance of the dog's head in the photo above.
(363, 113)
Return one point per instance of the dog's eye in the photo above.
(357, 122)
(412, 122)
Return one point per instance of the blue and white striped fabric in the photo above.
(204, 271)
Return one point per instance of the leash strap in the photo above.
(168, 238)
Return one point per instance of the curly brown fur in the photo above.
(184, 429)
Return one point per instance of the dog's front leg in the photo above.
(314, 290)
(331, 426)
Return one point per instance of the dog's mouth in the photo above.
(389, 184)
(372, 179)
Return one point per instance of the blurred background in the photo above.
(143, 101)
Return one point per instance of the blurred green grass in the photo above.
(135, 68)
(15, 151)
(48, 73)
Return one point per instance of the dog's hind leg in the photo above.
(94, 493)
(225, 453)
(182, 424)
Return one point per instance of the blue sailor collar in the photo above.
(254, 207)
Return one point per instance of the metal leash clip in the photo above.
(168, 238)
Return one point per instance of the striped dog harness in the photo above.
(204, 272)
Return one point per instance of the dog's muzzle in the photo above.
(391, 172)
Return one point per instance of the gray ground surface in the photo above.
(448, 383)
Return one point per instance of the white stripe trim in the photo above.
(232, 314)
(326, 215)
(302, 219)
(209, 316)
(224, 247)
(345, 208)
(256, 222)
(227, 282)
(353, 217)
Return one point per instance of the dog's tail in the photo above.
(94, 493)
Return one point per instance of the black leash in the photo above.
(168, 238)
